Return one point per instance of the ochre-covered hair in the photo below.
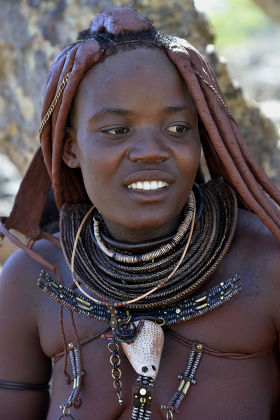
(226, 154)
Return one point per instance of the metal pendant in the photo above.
(145, 352)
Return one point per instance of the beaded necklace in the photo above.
(144, 284)
(185, 227)
(137, 296)
(187, 224)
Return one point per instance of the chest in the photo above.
(242, 325)
(219, 381)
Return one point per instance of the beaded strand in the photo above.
(159, 285)
(104, 280)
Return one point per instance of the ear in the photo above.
(70, 154)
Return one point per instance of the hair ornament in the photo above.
(54, 102)
(118, 20)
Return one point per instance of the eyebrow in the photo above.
(114, 111)
(176, 108)
(121, 111)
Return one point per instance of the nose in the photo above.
(148, 146)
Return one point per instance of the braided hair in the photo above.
(110, 32)
(226, 154)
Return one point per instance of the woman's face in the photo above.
(134, 135)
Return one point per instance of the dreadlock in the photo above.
(110, 32)
(226, 155)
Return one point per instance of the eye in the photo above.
(178, 129)
(114, 131)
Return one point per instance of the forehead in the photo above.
(136, 59)
(140, 69)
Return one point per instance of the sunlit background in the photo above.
(250, 42)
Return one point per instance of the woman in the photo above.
(148, 249)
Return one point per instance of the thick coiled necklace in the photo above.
(109, 280)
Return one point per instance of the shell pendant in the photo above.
(145, 352)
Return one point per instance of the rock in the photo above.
(33, 31)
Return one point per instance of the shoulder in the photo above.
(23, 305)
(256, 237)
(21, 265)
(255, 254)
(19, 275)
(257, 251)
(22, 358)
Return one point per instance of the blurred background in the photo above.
(241, 39)
(247, 35)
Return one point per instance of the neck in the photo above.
(139, 247)
(134, 236)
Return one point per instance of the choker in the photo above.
(148, 256)
(137, 296)
(131, 247)
(188, 222)
(107, 281)
(146, 245)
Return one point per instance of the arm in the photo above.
(275, 289)
(21, 356)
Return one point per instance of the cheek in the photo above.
(189, 159)
(98, 174)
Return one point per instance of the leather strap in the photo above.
(216, 353)
(32, 254)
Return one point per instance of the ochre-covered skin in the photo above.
(228, 389)
(225, 152)
(152, 133)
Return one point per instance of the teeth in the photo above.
(147, 185)
(154, 185)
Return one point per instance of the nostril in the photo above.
(148, 151)
(147, 158)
